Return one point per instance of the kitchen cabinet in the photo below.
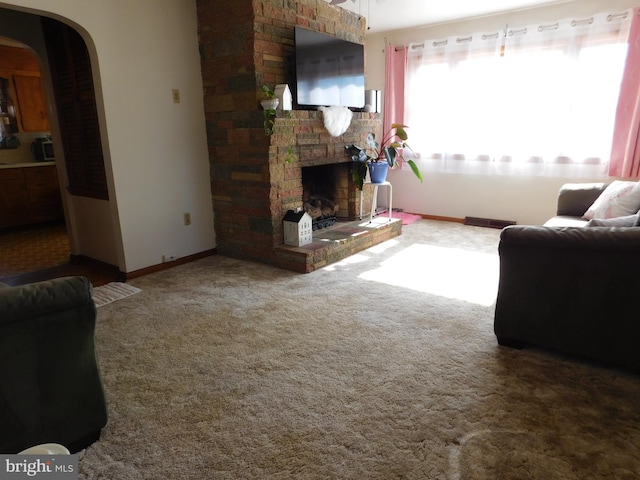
(29, 195)
(7, 110)
(13, 198)
(31, 111)
(28, 112)
(43, 193)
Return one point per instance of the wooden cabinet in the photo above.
(43, 193)
(29, 195)
(32, 110)
(20, 67)
(13, 198)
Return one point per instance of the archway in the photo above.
(77, 177)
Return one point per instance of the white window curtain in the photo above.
(532, 100)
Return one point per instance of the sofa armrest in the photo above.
(43, 298)
(571, 289)
(599, 239)
(575, 198)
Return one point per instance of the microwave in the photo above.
(42, 149)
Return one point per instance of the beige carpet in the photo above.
(382, 366)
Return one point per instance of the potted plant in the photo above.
(269, 105)
(377, 158)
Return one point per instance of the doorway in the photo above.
(41, 250)
(33, 235)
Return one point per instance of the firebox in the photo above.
(325, 193)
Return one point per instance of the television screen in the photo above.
(329, 71)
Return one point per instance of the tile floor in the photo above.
(34, 254)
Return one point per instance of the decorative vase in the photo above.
(269, 103)
(378, 171)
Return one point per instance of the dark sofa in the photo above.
(50, 385)
(571, 288)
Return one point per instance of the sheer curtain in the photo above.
(450, 97)
(534, 100)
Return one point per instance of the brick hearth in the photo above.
(256, 178)
(337, 243)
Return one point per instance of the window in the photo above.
(536, 100)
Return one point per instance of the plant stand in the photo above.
(374, 198)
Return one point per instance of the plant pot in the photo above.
(378, 171)
(270, 103)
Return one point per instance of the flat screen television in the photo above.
(329, 71)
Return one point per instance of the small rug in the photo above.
(111, 292)
(407, 218)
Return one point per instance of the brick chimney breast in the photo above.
(256, 178)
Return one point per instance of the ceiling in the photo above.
(384, 15)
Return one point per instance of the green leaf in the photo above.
(290, 156)
(356, 153)
(390, 154)
(358, 173)
(401, 132)
(415, 169)
(371, 141)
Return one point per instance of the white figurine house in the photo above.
(298, 228)
(283, 94)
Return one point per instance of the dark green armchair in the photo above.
(50, 385)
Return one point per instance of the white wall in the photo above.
(527, 200)
(155, 150)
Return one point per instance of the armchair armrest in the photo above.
(575, 198)
(42, 298)
(50, 385)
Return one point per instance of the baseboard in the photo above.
(474, 221)
(166, 265)
(84, 260)
(440, 218)
(488, 222)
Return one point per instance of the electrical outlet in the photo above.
(187, 219)
(168, 258)
(175, 94)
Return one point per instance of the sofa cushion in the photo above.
(619, 199)
(565, 221)
(626, 221)
(575, 198)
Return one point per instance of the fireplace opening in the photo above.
(325, 193)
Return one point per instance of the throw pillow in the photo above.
(619, 199)
(626, 221)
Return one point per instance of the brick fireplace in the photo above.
(313, 146)
(256, 178)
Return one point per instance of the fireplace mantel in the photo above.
(304, 130)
